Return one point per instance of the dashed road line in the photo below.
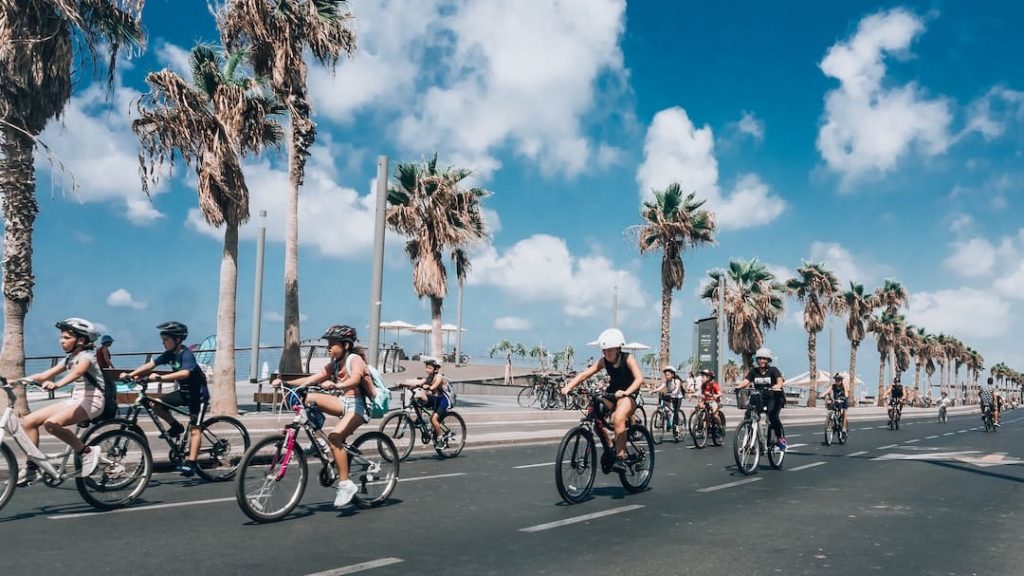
(583, 518)
(912, 441)
(141, 508)
(536, 465)
(353, 568)
(887, 446)
(729, 485)
(931, 437)
(434, 477)
(806, 466)
(949, 433)
(861, 453)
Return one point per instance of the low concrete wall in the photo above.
(493, 387)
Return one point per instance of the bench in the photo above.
(112, 374)
(274, 397)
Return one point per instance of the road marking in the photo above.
(806, 466)
(791, 446)
(886, 447)
(140, 508)
(536, 465)
(949, 433)
(880, 427)
(434, 477)
(945, 456)
(912, 441)
(794, 435)
(358, 567)
(584, 518)
(961, 431)
(729, 485)
(931, 437)
(861, 453)
(867, 428)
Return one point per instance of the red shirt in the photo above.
(711, 390)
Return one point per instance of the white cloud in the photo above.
(1012, 284)
(968, 313)
(990, 114)
(971, 258)
(867, 126)
(677, 151)
(751, 125)
(174, 57)
(541, 269)
(845, 265)
(961, 223)
(608, 155)
(511, 323)
(122, 298)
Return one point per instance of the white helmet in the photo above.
(79, 327)
(611, 338)
(763, 353)
(669, 368)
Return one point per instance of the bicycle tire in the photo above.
(892, 422)
(8, 474)
(830, 430)
(775, 454)
(746, 450)
(224, 440)
(640, 416)
(260, 477)
(527, 397)
(658, 424)
(122, 474)
(576, 465)
(114, 424)
(374, 469)
(639, 459)
(699, 431)
(455, 435)
(718, 434)
(398, 426)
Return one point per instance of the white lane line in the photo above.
(861, 453)
(880, 427)
(536, 465)
(912, 441)
(140, 508)
(961, 431)
(352, 569)
(794, 435)
(931, 437)
(729, 485)
(886, 447)
(791, 446)
(578, 519)
(434, 477)
(949, 433)
(865, 428)
(806, 466)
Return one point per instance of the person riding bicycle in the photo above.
(434, 392)
(625, 379)
(768, 378)
(710, 394)
(839, 395)
(77, 339)
(895, 394)
(192, 388)
(987, 396)
(346, 374)
(671, 392)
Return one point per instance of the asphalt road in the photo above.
(942, 499)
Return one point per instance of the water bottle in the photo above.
(322, 443)
(316, 416)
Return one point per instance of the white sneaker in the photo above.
(346, 490)
(89, 462)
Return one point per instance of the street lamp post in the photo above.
(377, 276)
(257, 299)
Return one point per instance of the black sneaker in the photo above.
(175, 430)
(619, 465)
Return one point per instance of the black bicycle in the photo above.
(834, 429)
(412, 420)
(704, 427)
(576, 463)
(895, 413)
(988, 417)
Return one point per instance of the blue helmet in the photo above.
(107, 339)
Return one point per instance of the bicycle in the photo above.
(988, 418)
(895, 412)
(402, 428)
(942, 413)
(834, 425)
(664, 420)
(755, 437)
(576, 463)
(224, 439)
(124, 468)
(702, 427)
(640, 414)
(273, 474)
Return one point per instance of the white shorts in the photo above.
(90, 400)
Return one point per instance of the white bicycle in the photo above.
(122, 474)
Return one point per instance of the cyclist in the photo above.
(345, 374)
(671, 391)
(768, 378)
(77, 338)
(624, 381)
(710, 394)
(192, 388)
(987, 397)
(839, 395)
(894, 394)
(434, 392)
(944, 402)
(103, 352)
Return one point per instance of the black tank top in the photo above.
(621, 377)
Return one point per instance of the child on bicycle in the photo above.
(625, 379)
(671, 391)
(434, 392)
(345, 374)
(710, 394)
(77, 339)
(838, 394)
(192, 388)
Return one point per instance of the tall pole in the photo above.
(831, 343)
(615, 304)
(458, 326)
(257, 300)
(377, 276)
(721, 324)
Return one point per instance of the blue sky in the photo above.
(881, 138)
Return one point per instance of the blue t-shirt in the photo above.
(195, 382)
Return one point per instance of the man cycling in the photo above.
(839, 394)
(671, 392)
(768, 378)
(988, 397)
(894, 394)
(710, 394)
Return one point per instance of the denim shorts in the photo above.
(355, 404)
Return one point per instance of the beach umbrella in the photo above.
(397, 326)
(447, 330)
(635, 346)
(425, 329)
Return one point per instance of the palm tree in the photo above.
(210, 124)
(753, 302)
(886, 328)
(510, 349)
(40, 42)
(731, 373)
(818, 289)
(890, 297)
(858, 307)
(432, 210)
(672, 224)
(921, 355)
(276, 35)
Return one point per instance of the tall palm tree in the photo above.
(40, 43)
(891, 296)
(731, 373)
(817, 288)
(859, 307)
(276, 35)
(921, 354)
(673, 223)
(210, 123)
(886, 328)
(435, 213)
(753, 302)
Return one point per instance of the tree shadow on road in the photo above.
(974, 470)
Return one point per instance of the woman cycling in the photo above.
(671, 392)
(839, 395)
(625, 380)
(769, 379)
(345, 374)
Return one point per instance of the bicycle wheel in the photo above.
(8, 474)
(271, 479)
(718, 432)
(122, 474)
(658, 427)
(114, 424)
(640, 416)
(398, 426)
(745, 449)
(527, 396)
(898, 419)
(841, 433)
(224, 441)
(699, 429)
(639, 459)
(680, 426)
(576, 465)
(374, 468)
(454, 436)
(829, 430)
(775, 454)
(892, 419)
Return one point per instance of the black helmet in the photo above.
(174, 329)
(896, 379)
(837, 376)
(708, 372)
(341, 333)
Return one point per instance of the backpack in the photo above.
(378, 397)
(109, 388)
(449, 393)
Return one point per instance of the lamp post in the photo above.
(377, 276)
(257, 299)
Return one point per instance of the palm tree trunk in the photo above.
(853, 373)
(812, 359)
(17, 185)
(291, 361)
(435, 332)
(666, 313)
(881, 378)
(917, 380)
(223, 400)
(748, 362)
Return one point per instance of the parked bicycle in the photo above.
(224, 439)
(412, 420)
(664, 422)
(754, 437)
(123, 472)
(273, 474)
(834, 425)
(703, 427)
(576, 463)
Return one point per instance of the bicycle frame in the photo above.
(756, 409)
(421, 421)
(10, 424)
(145, 402)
